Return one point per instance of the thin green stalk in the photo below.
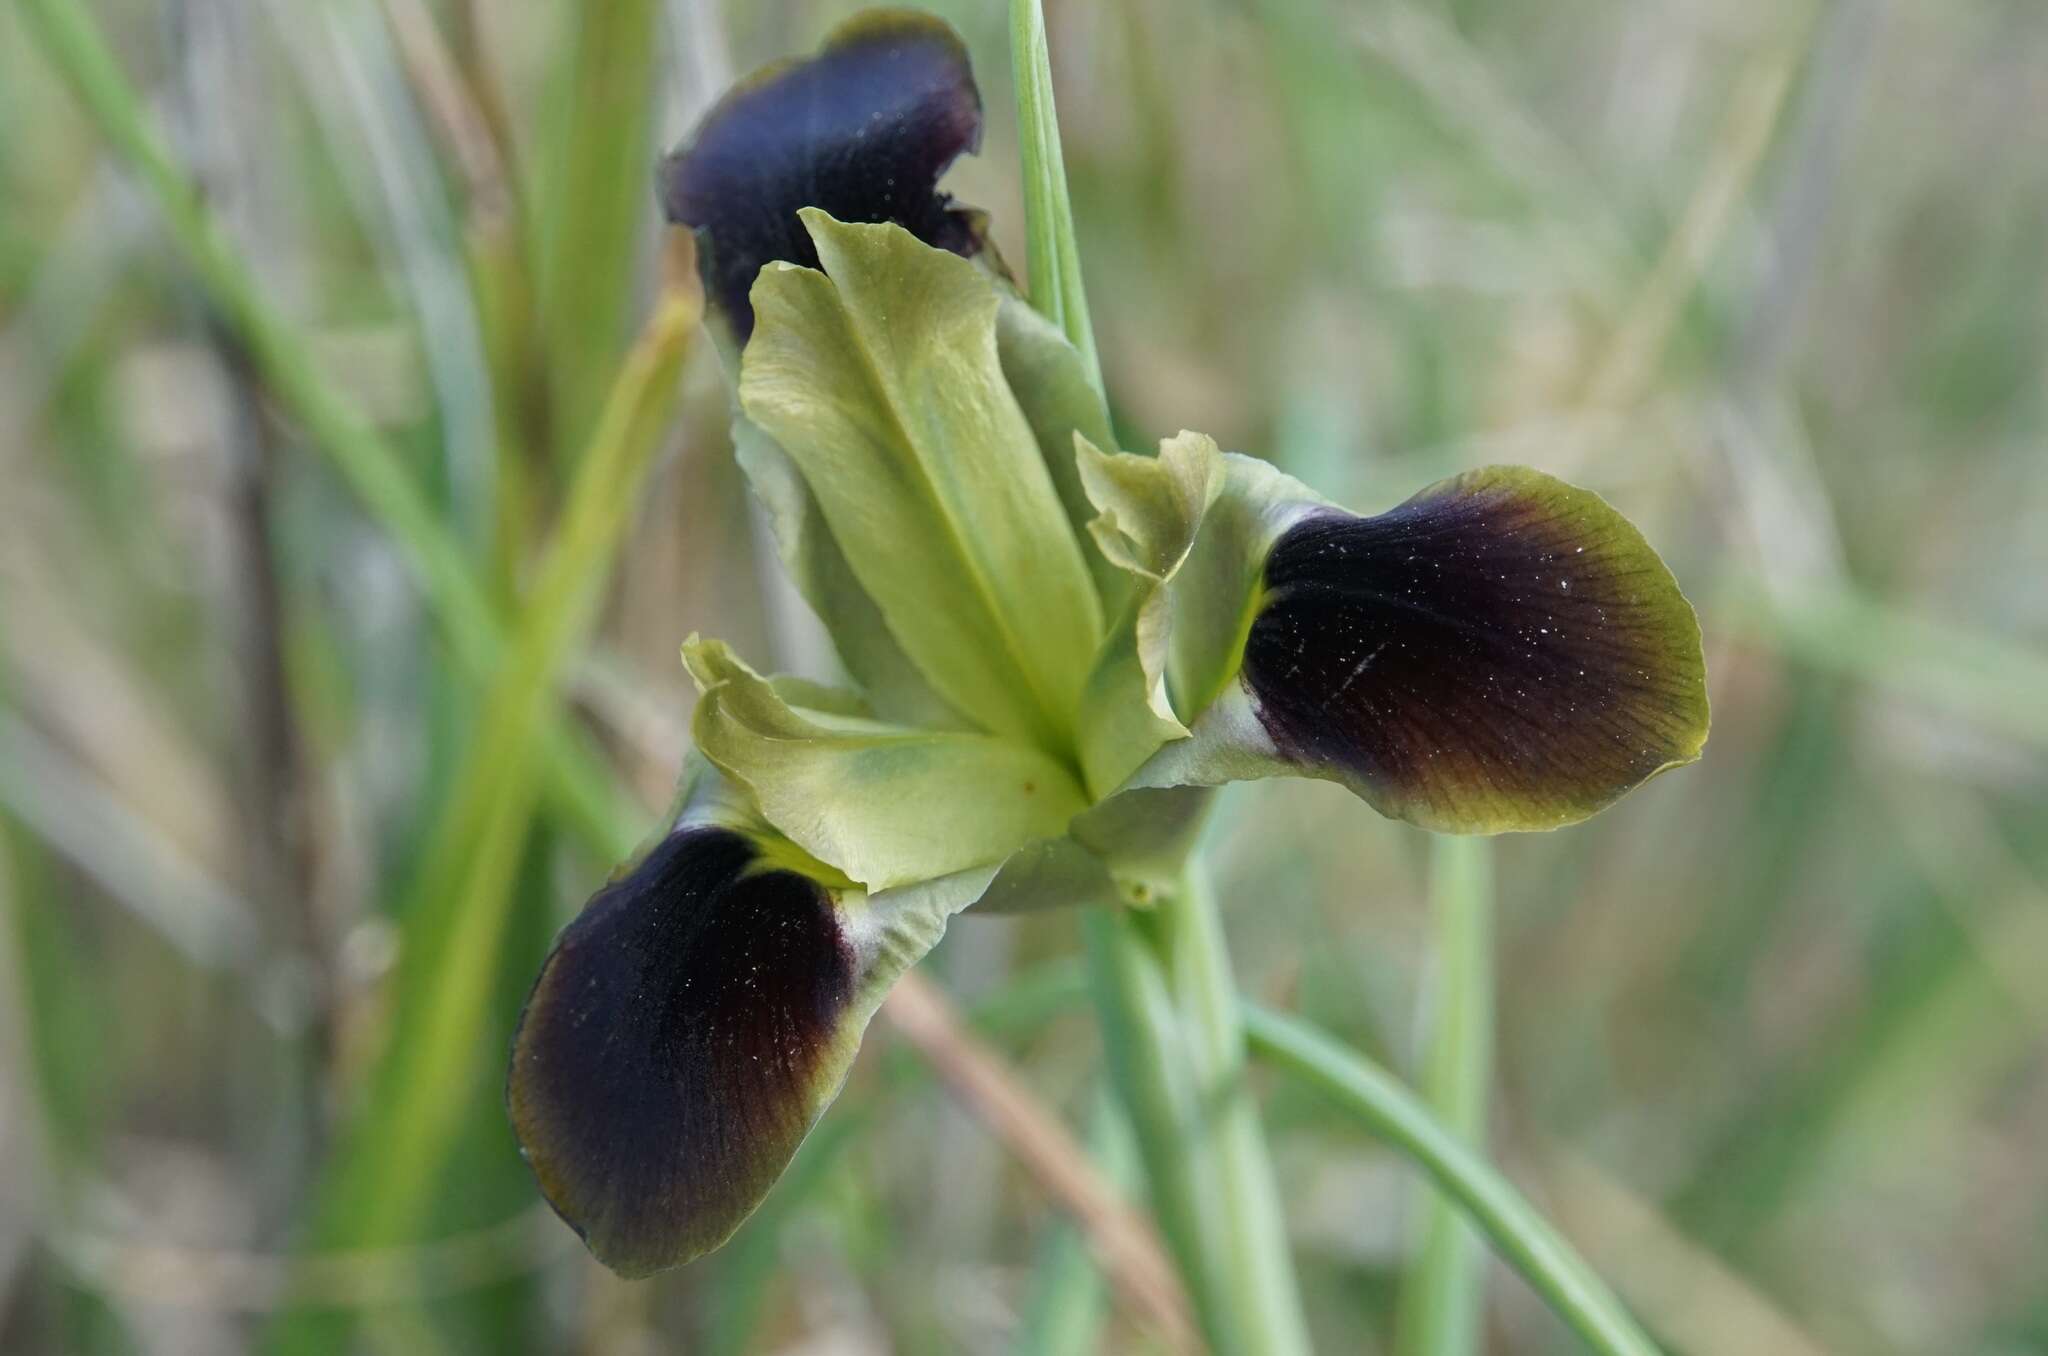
(1051, 251)
(587, 797)
(1519, 1233)
(1175, 1045)
(1443, 1299)
(1264, 1292)
(1162, 984)
(1152, 1071)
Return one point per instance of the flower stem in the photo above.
(1261, 1271)
(1150, 1069)
(1521, 1235)
(1162, 983)
(1052, 254)
(1442, 1298)
(1175, 1041)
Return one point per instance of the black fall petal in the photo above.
(670, 1058)
(863, 129)
(1503, 651)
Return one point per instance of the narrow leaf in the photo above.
(1521, 1235)
(1052, 254)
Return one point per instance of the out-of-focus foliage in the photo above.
(1769, 276)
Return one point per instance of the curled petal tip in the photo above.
(684, 1033)
(1502, 652)
(862, 129)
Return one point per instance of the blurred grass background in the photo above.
(1772, 277)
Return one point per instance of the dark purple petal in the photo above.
(1503, 651)
(683, 1036)
(863, 130)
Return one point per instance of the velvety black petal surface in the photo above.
(1503, 651)
(863, 130)
(672, 1055)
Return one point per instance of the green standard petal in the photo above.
(1148, 509)
(1217, 589)
(822, 575)
(691, 1025)
(1502, 652)
(1149, 512)
(889, 805)
(880, 379)
(1052, 387)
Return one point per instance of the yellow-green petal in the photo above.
(880, 379)
(890, 805)
(1148, 513)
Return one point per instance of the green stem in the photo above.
(1395, 1114)
(1261, 1272)
(1162, 984)
(1175, 1042)
(1442, 1302)
(1052, 254)
(1152, 1071)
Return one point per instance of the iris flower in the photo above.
(1054, 649)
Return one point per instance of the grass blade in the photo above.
(596, 188)
(1069, 1304)
(588, 797)
(1519, 1233)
